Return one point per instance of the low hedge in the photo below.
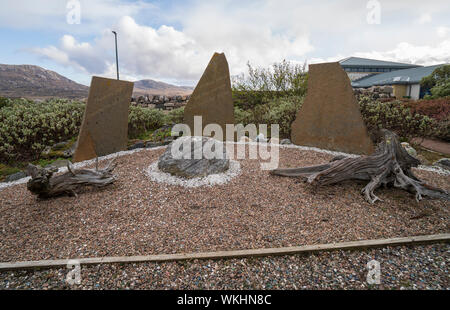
(27, 127)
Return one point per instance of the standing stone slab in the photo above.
(330, 117)
(212, 98)
(105, 123)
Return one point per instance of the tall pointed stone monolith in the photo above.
(105, 123)
(212, 98)
(330, 117)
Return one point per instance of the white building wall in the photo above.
(413, 91)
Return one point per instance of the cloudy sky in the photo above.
(173, 40)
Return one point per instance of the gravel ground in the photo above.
(136, 216)
(417, 267)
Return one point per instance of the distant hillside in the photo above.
(35, 82)
(151, 87)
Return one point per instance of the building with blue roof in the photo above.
(358, 68)
(404, 78)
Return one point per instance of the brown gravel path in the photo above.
(138, 217)
(417, 267)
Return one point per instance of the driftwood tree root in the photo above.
(390, 165)
(45, 185)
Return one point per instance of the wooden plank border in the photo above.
(353, 245)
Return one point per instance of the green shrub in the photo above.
(5, 102)
(261, 85)
(142, 120)
(27, 127)
(176, 116)
(242, 116)
(281, 111)
(441, 130)
(395, 116)
(437, 83)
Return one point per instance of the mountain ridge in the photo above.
(35, 82)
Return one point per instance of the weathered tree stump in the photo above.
(390, 165)
(45, 185)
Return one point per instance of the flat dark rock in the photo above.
(186, 166)
(15, 177)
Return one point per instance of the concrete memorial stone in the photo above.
(330, 117)
(104, 129)
(212, 98)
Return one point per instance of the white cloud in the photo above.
(260, 31)
(50, 15)
(416, 54)
(168, 54)
(82, 56)
(424, 18)
(442, 31)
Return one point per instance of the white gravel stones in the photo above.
(214, 179)
(434, 169)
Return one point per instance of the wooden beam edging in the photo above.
(352, 245)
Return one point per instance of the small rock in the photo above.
(186, 166)
(409, 149)
(261, 138)
(59, 146)
(285, 142)
(139, 145)
(443, 163)
(70, 152)
(275, 141)
(168, 140)
(58, 164)
(16, 176)
(151, 145)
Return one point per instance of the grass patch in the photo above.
(429, 156)
(147, 135)
(44, 162)
(6, 170)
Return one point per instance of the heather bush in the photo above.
(281, 111)
(26, 127)
(242, 116)
(142, 120)
(261, 85)
(5, 102)
(398, 117)
(407, 119)
(438, 109)
(176, 116)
